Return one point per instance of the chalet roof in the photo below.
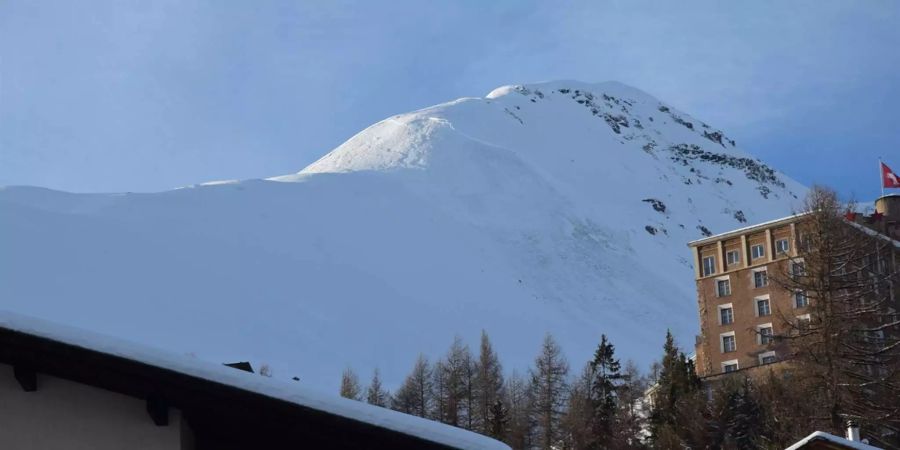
(232, 406)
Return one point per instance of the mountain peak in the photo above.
(559, 207)
(612, 87)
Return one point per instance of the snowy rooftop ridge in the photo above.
(823, 436)
(747, 229)
(281, 390)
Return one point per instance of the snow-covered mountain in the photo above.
(558, 207)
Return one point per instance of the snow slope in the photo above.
(559, 207)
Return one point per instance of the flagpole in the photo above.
(881, 176)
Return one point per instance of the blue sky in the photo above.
(147, 96)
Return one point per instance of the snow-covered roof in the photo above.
(823, 436)
(875, 234)
(747, 229)
(782, 220)
(290, 392)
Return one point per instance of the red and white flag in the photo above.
(889, 179)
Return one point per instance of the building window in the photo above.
(709, 265)
(757, 251)
(728, 344)
(762, 307)
(730, 366)
(804, 243)
(767, 358)
(798, 269)
(726, 315)
(765, 334)
(760, 278)
(803, 322)
(782, 246)
(800, 299)
(733, 257)
(723, 287)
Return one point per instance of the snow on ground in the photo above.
(558, 207)
(279, 389)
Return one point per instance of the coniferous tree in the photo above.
(745, 424)
(439, 392)
(677, 414)
(631, 420)
(470, 371)
(350, 385)
(517, 394)
(376, 395)
(736, 417)
(549, 392)
(498, 420)
(457, 368)
(605, 382)
(414, 396)
(577, 422)
(488, 384)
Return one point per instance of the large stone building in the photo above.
(740, 307)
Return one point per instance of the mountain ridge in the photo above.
(558, 207)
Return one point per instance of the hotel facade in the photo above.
(740, 307)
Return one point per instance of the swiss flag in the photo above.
(889, 179)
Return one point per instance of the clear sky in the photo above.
(146, 96)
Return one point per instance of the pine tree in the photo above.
(350, 385)
(577, 422)
(605, 382)
(631, 417)
(470, 374)
(455, 379)
(745, 423)
(549, 393)
(488, 384)
(439, 392)
(498, 420)
(517, 395)
(677, 412)
(415, 395)
(376, 395)
(736, 419)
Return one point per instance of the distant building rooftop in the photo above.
(744, 230)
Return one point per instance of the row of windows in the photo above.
(763, 308)
(734, 256)
(764, 336)
(726, 312)
(760, 280)
(764, 358)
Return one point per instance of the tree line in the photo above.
(606, 405)
(543, 408)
